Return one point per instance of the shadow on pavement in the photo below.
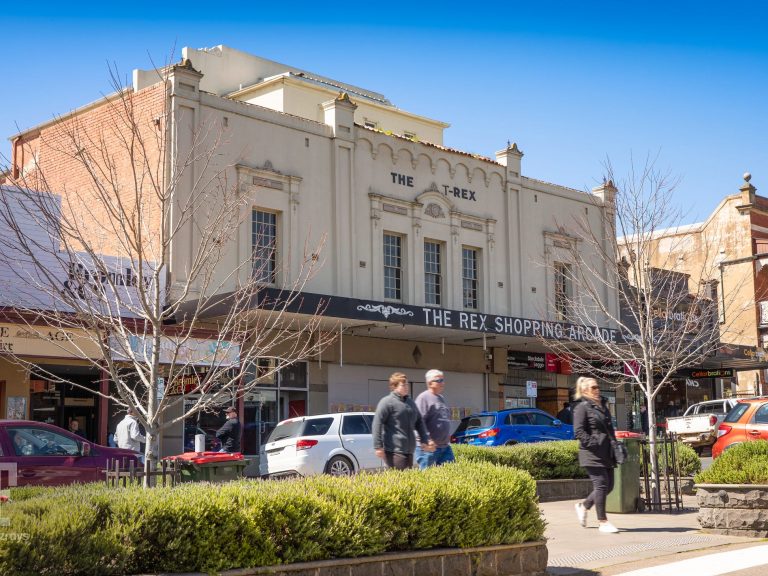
(662, 529)
(566, 571)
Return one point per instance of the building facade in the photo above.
(729, 251)
(433, 257)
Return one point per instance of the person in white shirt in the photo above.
(128, 435)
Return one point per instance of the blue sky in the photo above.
(573, 83)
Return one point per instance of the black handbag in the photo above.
(619, 451)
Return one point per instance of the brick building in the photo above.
(729, 250)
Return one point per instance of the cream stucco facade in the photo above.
(299, 149)
(434, 257)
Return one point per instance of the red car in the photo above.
(746, 422)
(46, 455)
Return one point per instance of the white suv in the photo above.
(338, 444)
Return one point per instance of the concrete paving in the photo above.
(646, 539)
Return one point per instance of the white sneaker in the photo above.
(608, 528)
(581, 514)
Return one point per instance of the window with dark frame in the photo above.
(264, 243)
(393, 266)
(432, 273)
(563, 290)
(469, 277)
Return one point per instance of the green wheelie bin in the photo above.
(625, 496)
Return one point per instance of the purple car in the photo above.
(47, 455)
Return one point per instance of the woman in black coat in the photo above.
(593, 428)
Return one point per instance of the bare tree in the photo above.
(625, 274)
(92, 256)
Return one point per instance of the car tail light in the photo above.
(489, 433)
(305, 444)
(453, 439)
(712, 420)
(723, 429)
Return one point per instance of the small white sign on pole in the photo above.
(531, 388)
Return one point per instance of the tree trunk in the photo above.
(150, 458)
(654, 473)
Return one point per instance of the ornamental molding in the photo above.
(385, 310)
(250, 178)
(434, 210)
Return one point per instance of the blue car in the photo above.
(508, 427)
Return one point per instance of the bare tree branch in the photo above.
(667, 320)
(93, 258)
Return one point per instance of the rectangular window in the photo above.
(264, 242)
(393, 266)
(469, 277)
(433, 278)
(563, 290)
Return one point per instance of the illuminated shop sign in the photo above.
(717, 373)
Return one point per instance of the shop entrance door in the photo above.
(58, 402)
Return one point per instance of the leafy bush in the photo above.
(201, 527)
(745, 463)
(687, 459)
(555, 460)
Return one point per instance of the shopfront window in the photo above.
(281, 396)
(206, 423)
(59, 403)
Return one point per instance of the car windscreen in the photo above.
(296, 428)
(472, 422)
(288, 429)
(736, 412)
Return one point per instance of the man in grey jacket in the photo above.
(437, 418)
(394, 423)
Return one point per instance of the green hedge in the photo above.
(745, 463)
(542, 460)
(557, 460)
(201, 527)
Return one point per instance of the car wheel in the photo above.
(510, 443)
(339, 466)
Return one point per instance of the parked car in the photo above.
(698, 426)
(507, 427)
(46, 455)
(746, 422)
(337, 444)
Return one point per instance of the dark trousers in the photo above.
(602, 484)
(398, 461)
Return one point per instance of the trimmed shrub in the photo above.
(687, 459)
(745, 463)
(555, 460)
(202, 527)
